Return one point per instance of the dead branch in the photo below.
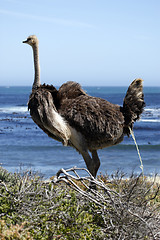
(119, 207)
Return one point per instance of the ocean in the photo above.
(24, 146)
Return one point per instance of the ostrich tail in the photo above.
(133, 104)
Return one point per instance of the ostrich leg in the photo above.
(91, 163)
(96, 161)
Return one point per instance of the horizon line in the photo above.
(8, 86)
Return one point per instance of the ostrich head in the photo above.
(31, 40)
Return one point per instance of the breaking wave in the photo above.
(14, 109)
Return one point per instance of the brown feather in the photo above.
(73, 117)
(97, 119)
(100, 122)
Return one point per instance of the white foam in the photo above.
(150, 120)
(152, 110)
(14, 109)
(151, 115)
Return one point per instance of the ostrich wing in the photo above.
(44, 114)
(70, 90)
(94, 117)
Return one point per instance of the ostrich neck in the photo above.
(36, 66)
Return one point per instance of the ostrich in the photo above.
(86, 123)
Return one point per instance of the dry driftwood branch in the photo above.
(120, 207)
(124, 206)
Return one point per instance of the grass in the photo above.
(31, 208)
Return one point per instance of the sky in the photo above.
(93, 42)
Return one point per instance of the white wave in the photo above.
(149, 120)
(14, 109)
(151, 115)
(152, 110)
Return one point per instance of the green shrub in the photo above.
(31, 208)
(14, 232)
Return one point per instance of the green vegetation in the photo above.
(31, 208)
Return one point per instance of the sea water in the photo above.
(24, 145)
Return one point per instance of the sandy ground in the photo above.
(153, 179)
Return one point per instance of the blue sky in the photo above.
(93, 42)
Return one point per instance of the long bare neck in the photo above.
(36, 66)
